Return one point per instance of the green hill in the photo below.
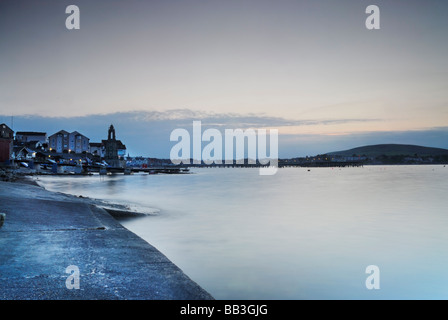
(391, 150)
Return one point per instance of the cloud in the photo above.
(230, 120)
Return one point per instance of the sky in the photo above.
(310, 69)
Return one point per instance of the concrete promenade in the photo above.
(45, 232)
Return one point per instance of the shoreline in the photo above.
(116, 210)
(45, 232)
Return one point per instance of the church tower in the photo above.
(111, 146)
(111, 135)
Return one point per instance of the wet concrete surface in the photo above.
(46, 232)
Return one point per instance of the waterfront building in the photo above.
(6, 143)
(63, 141)
(111, 149)
(97, 149)
(28, 136)
(23, 153)
(59, 141)
(78, 142)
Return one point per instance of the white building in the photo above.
(63, 141)
(78, 142)
(97, 149)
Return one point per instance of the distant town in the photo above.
(65, 152)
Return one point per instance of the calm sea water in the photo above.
(296, 235)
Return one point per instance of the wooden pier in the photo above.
(64, 169)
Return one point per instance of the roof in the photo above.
(29, 144)
(3, 125)
(20, 148)
(74, 133)
(6, 132)
(30, 133)
(95, 144)
(60, 132)
(120, 144)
